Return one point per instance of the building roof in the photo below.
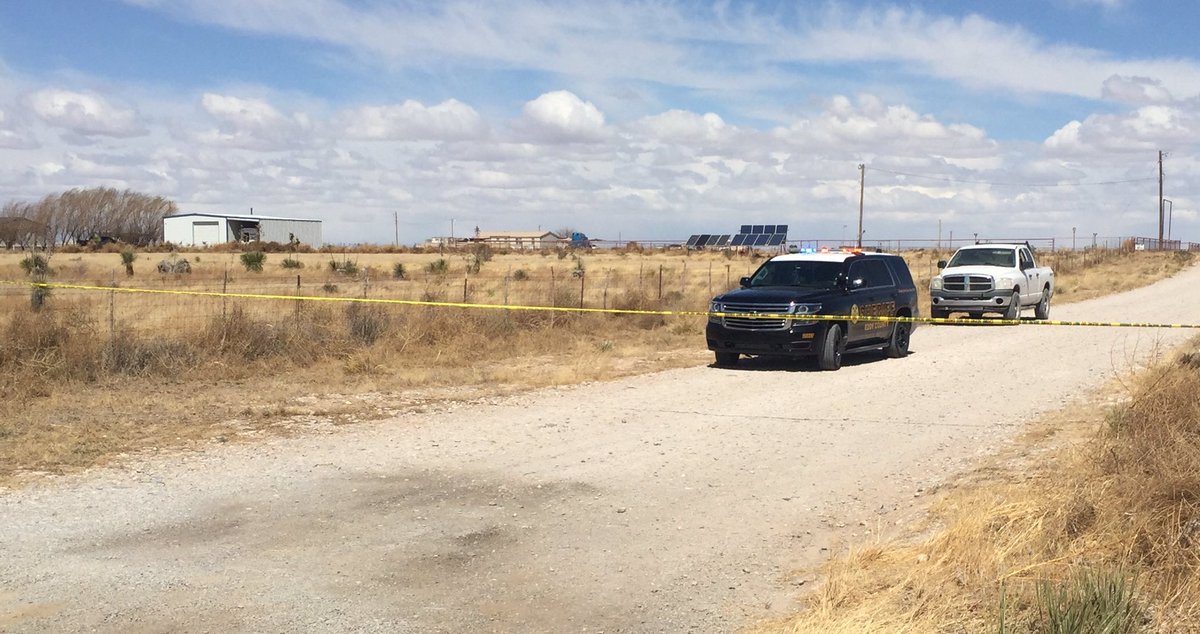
(484, 235)
(241, 217)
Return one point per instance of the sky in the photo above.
(646, 120)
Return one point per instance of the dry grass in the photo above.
(1106, 517)
(97, 374)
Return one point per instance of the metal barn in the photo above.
(200, 229)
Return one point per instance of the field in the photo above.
(98, 373)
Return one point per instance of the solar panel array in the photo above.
(750, 236)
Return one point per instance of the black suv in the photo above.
(823, 283)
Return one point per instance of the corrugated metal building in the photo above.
(200, 229)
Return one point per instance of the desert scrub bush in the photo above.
(36, 264)
(128, 354)
(291, 263)
(175, 264)
(345, 266)
(398, 271)
(366, 323)
(128, 256)
(330, 287)
(1089, 601)
(520, 275)
(254, 260)
(37, 267)
(438, 267)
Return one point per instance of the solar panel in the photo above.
(745, 229)
(768, 229)
(703, 240)
(738, 240)
(712, 240)
(692, 240)
(756, 229)
(760, 240)
(724, 240)
(781, 229)
(776, 239)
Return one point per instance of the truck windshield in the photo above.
(799, 273)
(984, 257)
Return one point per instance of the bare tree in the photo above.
(80, 215)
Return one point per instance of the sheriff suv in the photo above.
(840, 283)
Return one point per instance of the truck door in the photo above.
(1032, 291)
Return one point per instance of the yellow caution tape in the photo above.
(610, 311)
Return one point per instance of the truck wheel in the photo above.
(727, 359)
(897, 348)
(832, 348)
(1014, 307)
(1042, 310)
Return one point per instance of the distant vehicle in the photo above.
(579, 241)
(992, 278)
(845, 284)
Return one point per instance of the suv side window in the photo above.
(900, 272)
(873, 273)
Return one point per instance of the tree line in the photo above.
(85, 215)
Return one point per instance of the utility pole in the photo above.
(862, 183)
(1160, 198)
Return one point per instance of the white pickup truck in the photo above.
(991, 278)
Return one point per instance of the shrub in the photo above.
(438, 267)
(175, 265)
(398, 271)
(291, 263)
(36, 264)
(330, 287)
(520, 275)
(254, 260)
(127, 258)
(343, 267)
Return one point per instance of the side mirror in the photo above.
(941, 264)
(744, 282)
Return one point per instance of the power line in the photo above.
(1003, 184)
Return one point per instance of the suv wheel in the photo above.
(832, 348)
(727, 359)
(897, 347)
(1014, 307)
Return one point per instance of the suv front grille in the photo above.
(751, 323)
(967, 283)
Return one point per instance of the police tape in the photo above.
(793, 317)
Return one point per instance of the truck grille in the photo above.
(750, 323)
(967, 283)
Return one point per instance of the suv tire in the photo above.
(832, 348)
(727, 359)
(897, 347)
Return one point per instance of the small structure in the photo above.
(519, 239)
(204, 229)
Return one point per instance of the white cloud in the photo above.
(84, 114)
(412, 120)
(562, 116)
(253, 124)
(681, 126)
(1146, 129)
(1136, 90)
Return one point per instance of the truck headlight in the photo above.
(715, 307)
(1004, 283)
(935, 284)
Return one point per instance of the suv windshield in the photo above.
(799, 273)
(983, 257)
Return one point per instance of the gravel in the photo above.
(678, 501)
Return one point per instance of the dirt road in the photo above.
(672, 502)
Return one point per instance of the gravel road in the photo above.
(678, 501)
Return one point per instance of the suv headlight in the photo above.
(715, 307)
(935, 284)
(1004, 283)
(804, 309)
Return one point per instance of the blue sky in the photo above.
(644, 120)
